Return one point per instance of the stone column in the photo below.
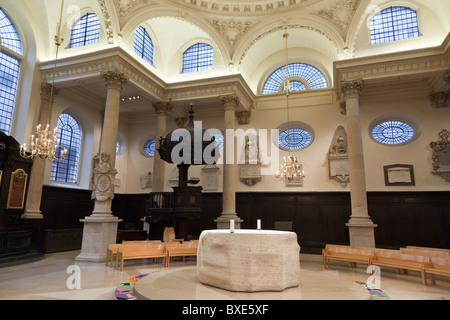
(34, 195)
(361, 227)
(230, 103)
(100, 228)
(162, 109)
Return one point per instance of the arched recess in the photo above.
(310, 39)
(432, 27)
(169, 40)
(89, 141)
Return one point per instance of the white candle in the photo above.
(231, 225)
(258, 224)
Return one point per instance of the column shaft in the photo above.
(360, 225)
(34, 195)
(161, 109)
(230, 103)
(100, 228)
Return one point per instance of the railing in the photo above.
(160, 200)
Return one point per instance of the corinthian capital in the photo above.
(114, 79)
(229, 101)
(47, 91)
(351, 87)
(162, 107)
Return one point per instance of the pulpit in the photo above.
(15, 234)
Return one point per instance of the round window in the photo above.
(393, 132)
(149, 147)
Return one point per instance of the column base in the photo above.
(361, 233)
(98, 233)
(32, 214)
(223, 222)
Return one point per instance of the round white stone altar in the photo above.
(248, 260)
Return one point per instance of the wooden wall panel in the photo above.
(403, 218)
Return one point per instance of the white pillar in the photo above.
(230, 103)
(100, 228)
(162, 109)
(361, 227)
(34, 195)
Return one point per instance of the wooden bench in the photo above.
(426, 252)
(111, 252)
(400, 261)
(438, 266)
(139, 251)
(346, 253)
(176, 249)
(429, 248)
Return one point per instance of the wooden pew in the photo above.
(437, 265)
(400, 261)
(346, 253)
(429, 248)
(426, 252)
(111, 252)
(176, 249)
(139, 251)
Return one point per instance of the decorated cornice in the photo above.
(70, 70)
(394, 64)
(241, 8)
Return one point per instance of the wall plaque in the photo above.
(399, 175)
(17, 187)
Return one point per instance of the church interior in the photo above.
(326, 120)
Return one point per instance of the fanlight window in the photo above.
(301, 76)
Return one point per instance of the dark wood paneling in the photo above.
(403, 218)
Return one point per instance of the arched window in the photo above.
(392, 24)
(69, 137)
(85, 31)
(301, 76)
(143, 44)
(199, 57)
(149, 147)
(11, 51)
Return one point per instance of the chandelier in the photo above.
(43, 143)
(290, 170)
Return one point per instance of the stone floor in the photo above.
(46, 279)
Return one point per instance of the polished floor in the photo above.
(47, 279)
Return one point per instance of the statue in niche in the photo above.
(441, 155)
(338, 168)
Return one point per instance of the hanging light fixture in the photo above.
(290, 170)
(43, 143)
